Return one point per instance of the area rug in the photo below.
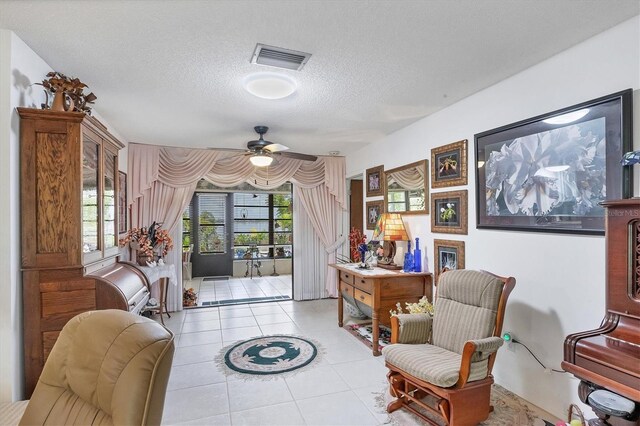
(508, 410)
(269, 355)
(364, 331)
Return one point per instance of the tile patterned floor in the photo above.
(339, 390)
(345, 380)
(240, 288)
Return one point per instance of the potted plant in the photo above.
(68, 93)
(150, 243)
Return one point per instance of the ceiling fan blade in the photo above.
(275, 147)
(298, 156)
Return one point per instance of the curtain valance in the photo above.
(183, 167)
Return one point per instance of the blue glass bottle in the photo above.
(408, 259)
(417, 257)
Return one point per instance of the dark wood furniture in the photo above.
(466, 403)
(68, 193)
(609, 356)
(377, 293)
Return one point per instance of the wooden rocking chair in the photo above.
(442, 365)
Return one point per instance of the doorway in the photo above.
(213, 226)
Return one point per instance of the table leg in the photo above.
(161, 284)
(376, 334)
(340, 308)
(166, 291)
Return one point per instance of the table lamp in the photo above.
(389, 229)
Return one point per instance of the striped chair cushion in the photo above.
(431, 363)
(465, 309)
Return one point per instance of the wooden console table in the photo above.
(376, 291)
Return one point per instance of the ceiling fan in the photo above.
(261, 152)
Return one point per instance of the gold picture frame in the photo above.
(373, 209)
(449, 212)
(449, 165)
(447, 254)
(375, 181)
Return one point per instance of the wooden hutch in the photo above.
(68, 194)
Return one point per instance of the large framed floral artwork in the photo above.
(551, 172)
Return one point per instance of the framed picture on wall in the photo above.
(375, 181)
(122, 202)
(551, 172)
(449, 212)
(447, 254)
(374, 210)
(449, 165)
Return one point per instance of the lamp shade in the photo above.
(261, 160)
(390, 227)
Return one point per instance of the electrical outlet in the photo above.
(508, 337)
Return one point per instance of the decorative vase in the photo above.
(142, 259)
(60, 103)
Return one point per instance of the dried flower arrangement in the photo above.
(189, 297)
(148, 241)
(62, 87)
(422, 307)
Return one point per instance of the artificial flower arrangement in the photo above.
(148, 241)
(189, 297)
(422, 307)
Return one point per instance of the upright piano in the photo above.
(609, 356)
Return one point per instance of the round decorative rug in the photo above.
(270, 355)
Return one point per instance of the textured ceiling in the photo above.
(170, 72)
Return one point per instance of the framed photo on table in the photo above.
(447, 254)
(449, 212)
(122, 202)
(551, 172)
(374, 210)
(375, 181)
(449, 165)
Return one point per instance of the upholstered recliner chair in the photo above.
(107, 367)
(442, 365)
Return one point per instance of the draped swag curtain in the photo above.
(162, 180)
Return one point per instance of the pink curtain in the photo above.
(162, 181)
(322, 210)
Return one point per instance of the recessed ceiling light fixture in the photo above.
(568, 117)
(261, 160)
(269, 85)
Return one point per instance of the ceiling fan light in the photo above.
(261, 160)
(268, 85)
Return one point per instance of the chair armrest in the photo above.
(475, 351)
(411, 328)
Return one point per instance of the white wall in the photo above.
(20, 67)
(560, 278)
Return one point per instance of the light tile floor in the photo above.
(240, 288)
(339, 390)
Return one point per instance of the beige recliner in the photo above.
(107, 367)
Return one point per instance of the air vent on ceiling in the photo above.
(279, 57)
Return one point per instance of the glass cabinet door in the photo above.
(90, 191)
(109, 200)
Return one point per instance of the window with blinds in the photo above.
(211, 223)
(262, 225)
(186, 228)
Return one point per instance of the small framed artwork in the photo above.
(447, 254)
(122, 202)
(449, 165)
(375, 181)
(449, 212)
(374, 210)
(551, 173)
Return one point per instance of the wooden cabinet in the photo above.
(377, 291)
(68, 188)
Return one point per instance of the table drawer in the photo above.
(364, 284)
(363, 297)
(347, 277)
(347, 290)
